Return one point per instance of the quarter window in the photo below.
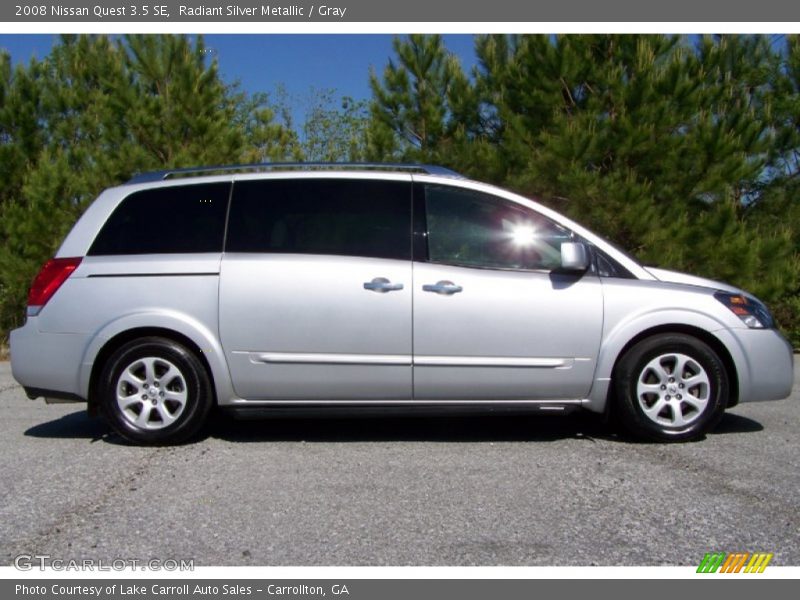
(166, 220)
(473, 229)
(367, 218)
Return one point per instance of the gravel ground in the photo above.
(402, 491)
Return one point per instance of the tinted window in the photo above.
(322, 216)
(166, 220)
(474, 229)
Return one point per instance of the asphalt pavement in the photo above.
(398, 491)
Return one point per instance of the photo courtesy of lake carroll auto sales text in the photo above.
(182, 589)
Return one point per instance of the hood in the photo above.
(686, 279)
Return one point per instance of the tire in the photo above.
(670, 388)
(154, 391)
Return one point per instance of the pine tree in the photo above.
(20, 135)
(777, 205)
(418, 103)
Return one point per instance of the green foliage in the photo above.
(20, 135)
(418, 103)
(335, 131)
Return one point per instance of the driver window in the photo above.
(474, 229)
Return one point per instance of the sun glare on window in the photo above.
(522, 234)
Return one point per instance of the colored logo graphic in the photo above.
(734, 562)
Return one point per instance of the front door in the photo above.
(494, 319)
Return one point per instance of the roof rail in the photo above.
(154, 176)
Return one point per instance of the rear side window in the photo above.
(168, 220)
(367, 218)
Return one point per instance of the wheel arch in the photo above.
(202, 347)
(701, 334)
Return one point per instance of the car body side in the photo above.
(57, 352)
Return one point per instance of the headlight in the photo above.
(752, 312)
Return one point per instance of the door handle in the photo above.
(443, 287)
(382, 285)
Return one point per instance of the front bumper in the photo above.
(764, 363)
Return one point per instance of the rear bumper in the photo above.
(47, 362)
(764, 362)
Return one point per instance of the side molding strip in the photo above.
(330, 359)
(406, 360)
(492, 361)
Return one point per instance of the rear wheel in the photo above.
(155, 391)
(671, 387)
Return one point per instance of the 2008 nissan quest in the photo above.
(275, 286)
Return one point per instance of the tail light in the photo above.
(54, 272)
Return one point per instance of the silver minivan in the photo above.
(346, 287)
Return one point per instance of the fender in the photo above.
(622, 332)
(179, 322)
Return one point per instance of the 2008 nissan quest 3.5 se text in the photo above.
(395, 286)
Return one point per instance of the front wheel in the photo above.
(670, 388)
(154, 391)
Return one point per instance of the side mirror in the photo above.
(574, 257)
